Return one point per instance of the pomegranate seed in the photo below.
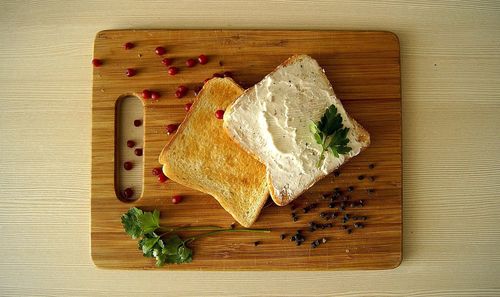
(197, 90)
(217, 75)
(176, 199)
(128, 45)
(172, 70)
(160, 51)
(127, 165)
(146, 94)
(138, 152)
(162, 177)
(130, 72)
(227, 74)
(172, 128)
(166, 61)
(202, 59)
(187, 106)
(183, 89)
(155, 95)
(219, 114)
(156, 171)
(179, 94)
(96, 62)
(130, 143)
(190, 62)
(128, 193)
(137, 123)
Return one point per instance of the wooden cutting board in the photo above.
(364, 68)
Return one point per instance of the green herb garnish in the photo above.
(330, 134)
(145, 226)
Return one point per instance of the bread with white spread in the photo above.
(271, 121)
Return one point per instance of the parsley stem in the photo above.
(226, 230)
(188, 228)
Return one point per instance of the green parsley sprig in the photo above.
(330, 134)
(145, 226)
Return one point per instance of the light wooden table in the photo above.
(451, 121)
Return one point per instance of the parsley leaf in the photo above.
(130, 222)
(330, 134)
(149, 222)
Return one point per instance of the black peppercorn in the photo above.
(282, 236)
(349, 231)
(336, 173)
(350, 189)
(256, 243)
(371, 166)
(293, 238)
(358, 225)
(361, 177)
(232, 226)
(331, 205)
(295, 219)
(372, 178)
(370, 191)
(352, 204)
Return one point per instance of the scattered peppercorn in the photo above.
(349, 230)
(371, 166)
(283, 236)
(370, 191)
(331, 205)
(336, 173)
(232, 225)
(358, 225)
(372, 178)
(350, 189)
(361, 177)
(256, 243)
(309, 207)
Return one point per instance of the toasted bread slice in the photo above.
(203, 157)
(271, 121)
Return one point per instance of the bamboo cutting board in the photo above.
(364, 68)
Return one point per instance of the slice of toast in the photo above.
(271, 121)
(203, 157)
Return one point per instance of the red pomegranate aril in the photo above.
(197, 90)
(172, 128)
(227, 74)
(130, 143)
(172, 70)
(179, 94)
(146, 94)
(176, 199)
(183, 89)
(155, 95)
(137, 123)
(128, 45)
(128, 165)
(157, 171)
(202, 59)
(219, 114)
(130, 72)
(96, 62)
(217, 75)
(162, 177)
(160, 51)
(166, 61)
(138, 152)
(187, 106)
(190, 62)
(128, 193)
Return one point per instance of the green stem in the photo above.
(188, 228)
(225, 230)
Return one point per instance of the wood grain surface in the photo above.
(450, 68)
(365, 72)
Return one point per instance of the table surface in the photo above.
(450, 62)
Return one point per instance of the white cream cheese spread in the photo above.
(272, 122)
